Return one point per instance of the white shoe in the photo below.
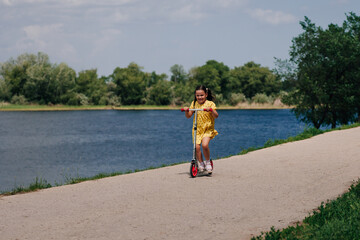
(208, 167)
(201, 166)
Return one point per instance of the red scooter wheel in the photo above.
(193, 170)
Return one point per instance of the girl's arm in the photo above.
(188, 113)
(214, 113)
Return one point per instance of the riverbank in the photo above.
(12, 107)
(247, 194)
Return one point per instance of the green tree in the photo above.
(14, 72)
(34, 78)
(286, 71)
(207, 75)
(178, 74)
(38, 87)
(63, 81)
(252, 79)
(352, 25)
(160, 93)
(88, 84)
(327, 73)
(5, 92)
(130, 84)
(223, 72)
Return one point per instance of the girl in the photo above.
(205, 127)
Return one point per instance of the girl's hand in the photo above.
(188, 114)
(213, 112)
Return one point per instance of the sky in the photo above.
(157, 34)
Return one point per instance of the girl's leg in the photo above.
(205, 146)
(206, 150)
(199, 158)
(198, 153)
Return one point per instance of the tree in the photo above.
(327, 73)
(5, 92)
(178, 74)
(63, 80)
(130, 84)
(352, 25)
(14, 73)
(252, 79)
(160, 93)
(223, 72)
(34, 78)
(38, 87)
(208, 76)
(286, 71)
(91, 86)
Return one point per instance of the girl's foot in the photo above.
(208, 166)
(201, 166)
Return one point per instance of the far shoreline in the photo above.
(38, 108)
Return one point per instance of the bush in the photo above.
(159, 94)
(5, 93)
(219, 99)
(261, 98)
(114, 101)
(236, 98)
(19, 100)
(77, 99)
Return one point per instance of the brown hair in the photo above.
(209, 97)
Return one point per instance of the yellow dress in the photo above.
(205, 121)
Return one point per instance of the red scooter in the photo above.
(194, 163)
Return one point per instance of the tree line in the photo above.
(321, 79)
(33, 78)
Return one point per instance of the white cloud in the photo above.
(186, 13)
(222, 3)
(39, 34)
(6, 2)
(68, 2)
(46, 38)
(341, 1)
(272, 17)
(105, 38)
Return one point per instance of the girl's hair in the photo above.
(210, 97)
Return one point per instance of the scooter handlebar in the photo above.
(183, 110)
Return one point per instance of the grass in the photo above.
(335, 220)
(307, 133)
(40, 183)
(32, 107)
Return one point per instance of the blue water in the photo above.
(59, 145)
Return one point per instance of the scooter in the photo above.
(194, 162)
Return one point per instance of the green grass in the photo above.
(40, 183)
(32, 107)
(335, 220)
(307, 133)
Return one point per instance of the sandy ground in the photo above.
(247, 194)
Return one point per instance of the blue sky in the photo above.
(156, 34)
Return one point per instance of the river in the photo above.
(60, 145)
